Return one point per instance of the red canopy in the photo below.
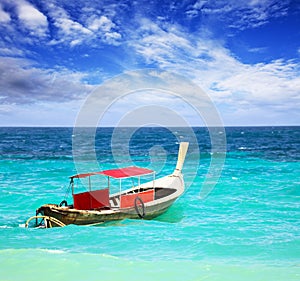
(119, 173)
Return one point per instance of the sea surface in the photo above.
(246, 228)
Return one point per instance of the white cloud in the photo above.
(240, 14)
(112, 38)
(102, 23)
(32, 19)
(11, 52)
(158, 45)
(22, 83)
(258, 50)
(88, 31)
(40, 114)
(229, 82)
(275, 83)
(197, 8)
(4, 16)
(104, 28)
(68, 29)
(234, 86)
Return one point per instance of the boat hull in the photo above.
(88, 217)
(168, 190)
(147, 200)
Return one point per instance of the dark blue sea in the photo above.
(246, 226)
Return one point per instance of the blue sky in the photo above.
(244, 54)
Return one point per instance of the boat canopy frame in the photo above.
(126, 172)
(121, 173)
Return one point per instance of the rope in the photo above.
(68, 191)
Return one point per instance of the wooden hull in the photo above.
(82, 217)
(164, 198)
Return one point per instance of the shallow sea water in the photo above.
(247, 228)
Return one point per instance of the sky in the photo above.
(243, 54)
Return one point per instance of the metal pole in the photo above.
(72, 183)
(120, 192)
(153, 185)
(139, 182)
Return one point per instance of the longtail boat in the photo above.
(94, 206)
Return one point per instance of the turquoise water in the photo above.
(247, 228)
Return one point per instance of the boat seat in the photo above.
(90, 200)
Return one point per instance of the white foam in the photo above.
(5, 226)
(53, 251)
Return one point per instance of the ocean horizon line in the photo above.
(152, 126)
